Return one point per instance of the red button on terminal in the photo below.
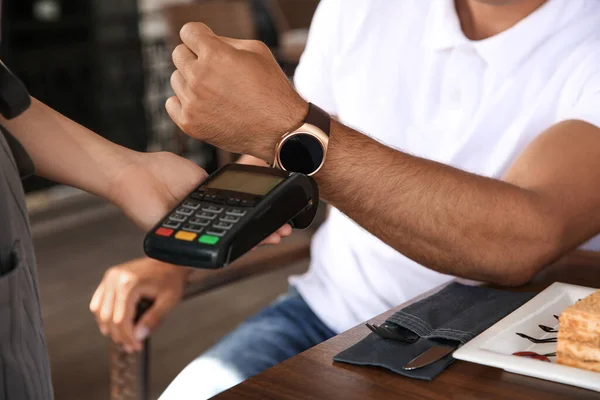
(164, 232)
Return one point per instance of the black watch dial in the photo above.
(301, 153)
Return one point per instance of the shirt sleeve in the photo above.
(585, 106)
(313, 77)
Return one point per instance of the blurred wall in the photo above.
(82, 58)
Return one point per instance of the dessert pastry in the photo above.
(579, 334)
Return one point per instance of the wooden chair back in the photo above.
(231, 18)
(292, 14)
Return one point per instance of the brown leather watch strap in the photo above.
(319, 118)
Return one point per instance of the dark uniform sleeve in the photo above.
(24, 366)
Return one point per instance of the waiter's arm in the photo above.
(144, 185)
(67, 152)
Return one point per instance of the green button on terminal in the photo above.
(208, 239)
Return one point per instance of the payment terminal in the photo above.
(231, 212)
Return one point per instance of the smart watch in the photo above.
(304, 149)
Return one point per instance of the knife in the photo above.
(430, 356)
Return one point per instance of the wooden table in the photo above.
(313, 375)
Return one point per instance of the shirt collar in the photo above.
(502, 52)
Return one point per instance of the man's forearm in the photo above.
(66, 152)
(444, 218)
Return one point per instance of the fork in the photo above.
(394, 332)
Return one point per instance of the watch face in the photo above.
(301, 153)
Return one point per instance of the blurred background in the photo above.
(106, 64)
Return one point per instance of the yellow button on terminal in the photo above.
(189, 236)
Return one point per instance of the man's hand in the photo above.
(123, 286)
(232, 93)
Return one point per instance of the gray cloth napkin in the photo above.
(452, 316)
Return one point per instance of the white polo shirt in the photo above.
(402, 72)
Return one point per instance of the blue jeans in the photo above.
(278, 332)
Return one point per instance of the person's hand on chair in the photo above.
(115, 301)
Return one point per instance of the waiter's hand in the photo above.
(151, 184)
(231, 93)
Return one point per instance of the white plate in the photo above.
(495, 346)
